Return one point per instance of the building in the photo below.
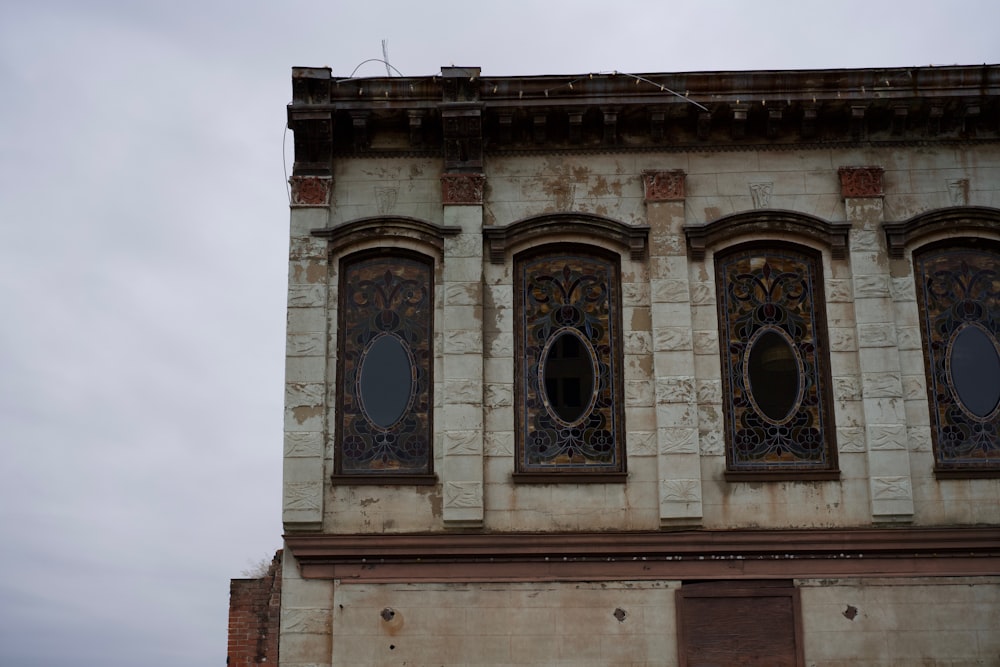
(659, 369)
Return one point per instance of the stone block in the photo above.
(675, 389)
(461, 417)
(668, 283)
(304, 394)
(638, 393)
(459, 443)
(705, 342)
(308, 320)
(501, 345)
(677, 414)
(497, 395)
(671, 338)
(463, 342)
(637, 342)
(880, 385)
(498, 369)
(640, 443)
(499, 443)
(303, 445)
(674, 440)
(305, 370)
(307, 296)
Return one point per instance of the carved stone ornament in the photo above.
(760, 193)
(861, 181)
(958, 191)
(663, 185)
(311, 190)
(462, 188)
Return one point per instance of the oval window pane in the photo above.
(975, 370)
(568, 375)
(385, 381)
(773, 374)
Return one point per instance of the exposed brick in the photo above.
(254, 612)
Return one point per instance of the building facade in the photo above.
(660, 369)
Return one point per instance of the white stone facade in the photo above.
(673, 407)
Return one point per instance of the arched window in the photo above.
(568, 385)
(958, 292)
(776, 386)
(385, 339)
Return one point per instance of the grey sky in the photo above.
(143, 236)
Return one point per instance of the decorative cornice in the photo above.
(311, 191)
(552, 225)
(351, 233)
(663, 185)
(956, 221)
(860, 181)
(732, 554)
(768, 221)
(462, 188)
(464, 114)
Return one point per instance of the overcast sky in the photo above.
(143, 241)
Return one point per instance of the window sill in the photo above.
(569, 477)
(782, 476)
(386, 479)
(967, 473)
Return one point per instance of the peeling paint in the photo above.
(642, 320)
(303, 413)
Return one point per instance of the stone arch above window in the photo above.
(388, 228)
(954, 221)
(499, 238)
(772, 222)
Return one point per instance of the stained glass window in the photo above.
(776, 386)
(569, 384)
(384, 372)
(959, 296)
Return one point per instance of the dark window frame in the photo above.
(527, 472)
(818, 362)
(946, 412)
(423, 410)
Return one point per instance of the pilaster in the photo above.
(676, 391)
(890, 485)
(462, 396)
(309, 297)
(306, 357)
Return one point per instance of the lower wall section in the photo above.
(878, 622)
(861, 622)
(579, 624)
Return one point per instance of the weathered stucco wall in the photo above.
(901, 622)
(670, 332)
(468, 173)
(846, 622)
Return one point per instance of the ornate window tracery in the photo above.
(384, 366)
(569, 368)
(774, 362)
(958, 292)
